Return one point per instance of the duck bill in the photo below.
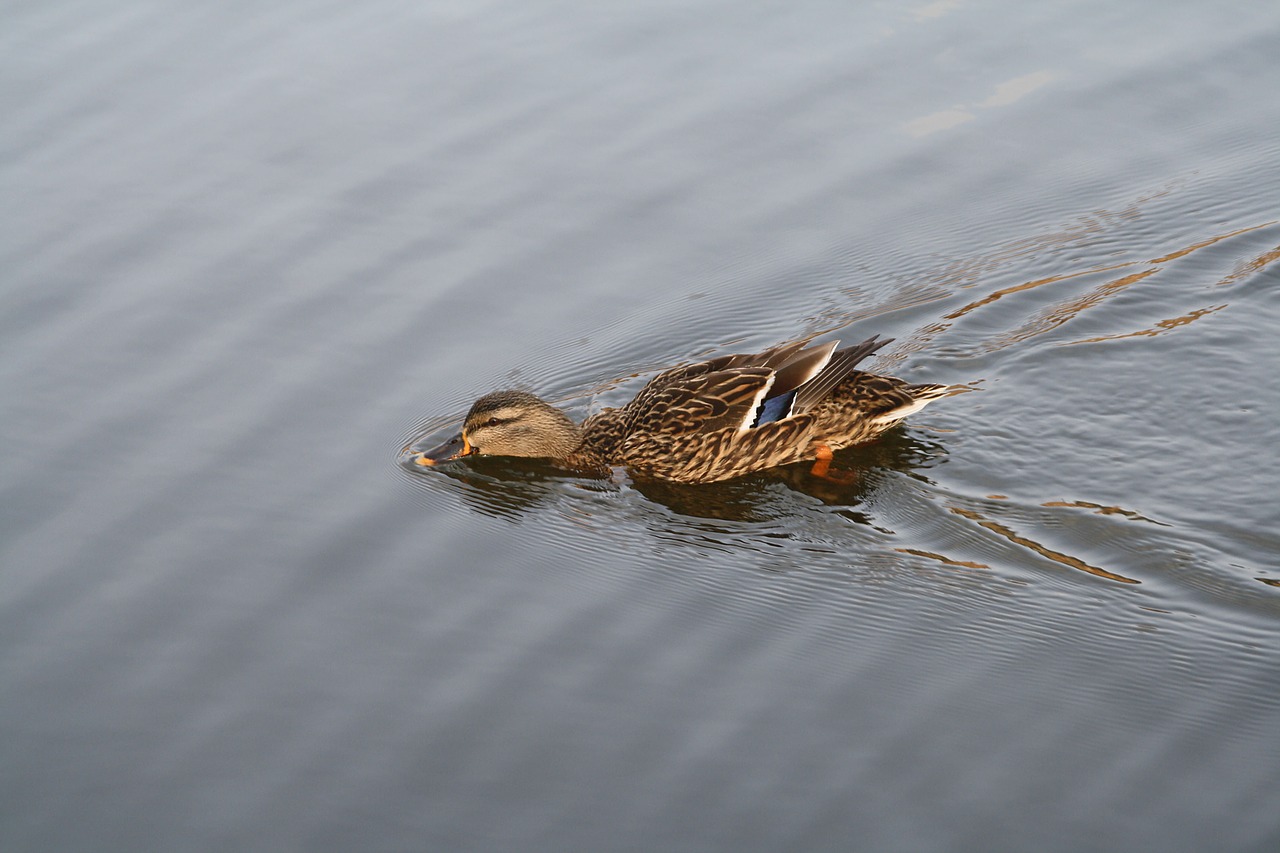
(452, 449)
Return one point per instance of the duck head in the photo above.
(510, 423)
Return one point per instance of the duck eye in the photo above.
(492, 422)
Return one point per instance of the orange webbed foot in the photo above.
(822, 468)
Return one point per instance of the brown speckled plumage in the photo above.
(698, 422)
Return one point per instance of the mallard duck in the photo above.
(709, 421)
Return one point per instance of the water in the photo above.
(250, 252)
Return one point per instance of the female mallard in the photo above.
(708, 421)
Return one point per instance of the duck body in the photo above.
(709, 421)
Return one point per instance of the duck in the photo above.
(705, 422)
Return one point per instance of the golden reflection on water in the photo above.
(968, 273)
(947, 561)
(1105, 510)
(1043, 551)
(1063, 312)
(1173, 256)
(1252, 266)
(1160, 327)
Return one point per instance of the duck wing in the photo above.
(775, 358)
(740, 391)
(837, 369)
(704, 403)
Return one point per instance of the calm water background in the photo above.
(251, 250)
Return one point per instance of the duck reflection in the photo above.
(510, 487)
(504, 487)
(852, 478)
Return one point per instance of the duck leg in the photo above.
(822, 468)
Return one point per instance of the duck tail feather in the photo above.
(841, 364)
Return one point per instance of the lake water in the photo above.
(250, 251)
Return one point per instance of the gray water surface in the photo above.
(251, 251)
